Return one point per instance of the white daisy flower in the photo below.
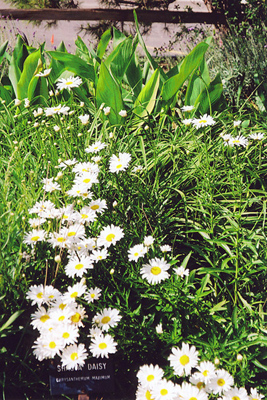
(36, 294)
(108, 318)
(38, 112)
(184, 359)
(60, 316)
(102, 346)
(165, 248)
(68, 214)
(98, 255)
(159, 329)
(78, 315)
(49, 111)
(52, 344)
(143, 394)
(238, 141)
(86, 215)
(205, 120)
(155, 271)
(137, 251)
(257, 136)
(149, 375)
(17, 102)
(36, 235)
(206, 371)
(98, 205)
(74, 356)
(187, 121)
(78, 266)
(148, 240)
(79, 190)
(84, 119)
(69, 333)
(236, 394)
(222, 382)
(67, 163)
(87, 179)
(187, 391)
(92, 294)
(187, 108)
(69, 83)
(181, 271)
(40, 318)
(83, 167)
(138, 168)
(121, 163)
(50, 185)
(164, 390)
(73, 292)
(36, 222)
(41, 207)
(254, 395)
(109, 235)
(95, 147)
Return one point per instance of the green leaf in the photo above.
(219, 307)
(133, 76)
(30, 67)
(74, 64)
(210, 95)
(5, 95)
(145, 102)
(198, 81)
(104, 41)
(3, 50)
(11, 320)
(108, 92)
(82, 50)
(189, 64)
(118, 37)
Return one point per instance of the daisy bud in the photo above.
(112, 271)
(115, 203)
(216, 361)
(83, 281)
(17, 102)
(159, 329)
(57, 259)
(59, 175)
(239, 357)
(80, 134)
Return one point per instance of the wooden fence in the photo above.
(87, 14)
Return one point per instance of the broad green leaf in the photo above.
(30, 68)
(189, 64)
(108, 92)
(120, 58)
(218, 307)
(118, 37)
(74, 64)
(5, 95)
(210, 96)
(145, 102)
(82, 50)
(197, 82)
(152, 62)
(133, 76)
(103, 42)
(3, 50)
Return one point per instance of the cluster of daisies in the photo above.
(204, 383)
(58, 319)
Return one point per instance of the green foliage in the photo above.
(194, 191)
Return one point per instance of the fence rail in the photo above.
(87, 14)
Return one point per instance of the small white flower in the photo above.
(187, 108)
(45, 73)
(236, 123)
(17, 102)
(257, 136)
(205, 120)
(181, 271)
(106, 110)
(159, 329)
(84, 119)
(70, 83)
(123, 113)
(187, 121)
(148, 240)
(26, 103)
(238, 141)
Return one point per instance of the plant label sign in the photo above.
(96, 376)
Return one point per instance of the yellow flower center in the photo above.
(110, 237)
(39, 295)
(61, 318)
(76, 318)
(221, 382)
(78, 266)
(66, 335)
(200, 385)
(105, 320)
(136, 254)
(87, 180)
(150, 378)
(203, 121)
(71, 234)
(69, 83)
(52, 345)
(193, 398)
(95, 207)
(93, 295)
(119, 166)
(61, 239)
(65, 216)
(155, 270)
(62, 306)
(205, 373)
(84, 216)
(74, 294)
(74, 356)
(184, 360)
(102, 346)
(235, 398)
(163, 392)
(35, 238)
(148, 395)
(44, 318)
